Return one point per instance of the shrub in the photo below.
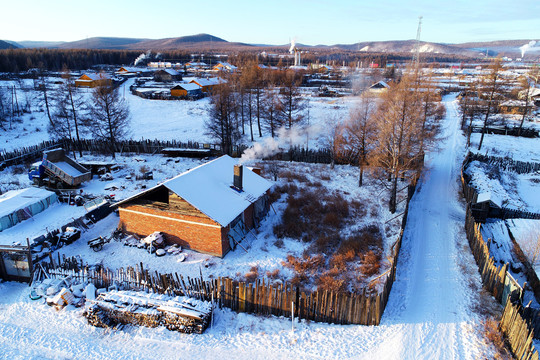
(330, 280)
(252, 274)
(370, 263)
(18, 170)
(273, 274)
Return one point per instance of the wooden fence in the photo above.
(507, 130)
(33, 153)
(518, 331)
(259, 297)
(493, 276)
(505, 163)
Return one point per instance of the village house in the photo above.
(207, 84)
(92, 80)
(186, 90)
(209, 209)
(167, 75)
(225, 66)
(378, 87)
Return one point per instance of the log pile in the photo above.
(182, 314)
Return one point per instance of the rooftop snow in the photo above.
(208, 188)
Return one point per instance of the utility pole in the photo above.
(416, 57)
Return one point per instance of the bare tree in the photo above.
(491, 87)
(222, 125)
(360, 132)
(270, 114)
(4, 108)
(69, 104)
(399, 133)
(291, 105)
(109, 116)
(43, 86)
(527, 84)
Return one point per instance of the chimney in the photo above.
(238, 174)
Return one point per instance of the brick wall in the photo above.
(198, 233)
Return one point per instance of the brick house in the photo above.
(209, 209)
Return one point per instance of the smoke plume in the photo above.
(286, 138)
(526, 47)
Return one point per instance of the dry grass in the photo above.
(252, 274)
(494, 336)
(371, 263)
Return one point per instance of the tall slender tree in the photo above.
(108, 116)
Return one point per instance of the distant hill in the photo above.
(100, 43)
(205, 42)
(7, 45)
(40, 44)
(404, 46)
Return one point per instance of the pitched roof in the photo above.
(188, 86)
(208, 188)
(169, 71)
(208, 82)
(97, 76)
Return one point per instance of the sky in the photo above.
(274, 22)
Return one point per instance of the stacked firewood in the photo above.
(115, 308)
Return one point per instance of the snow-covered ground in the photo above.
(180, 120)
(431, 313)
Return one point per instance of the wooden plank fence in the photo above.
(507, 130)
(519, 332)
(505, 163)
(33, 153)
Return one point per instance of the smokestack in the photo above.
(237, 178)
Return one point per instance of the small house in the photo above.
(514, 107)
(207, 84)
(209, 209)
(193, 65)
(92, 80)
(379, 87)
(186, 90)
(225, 66)
(167, 75)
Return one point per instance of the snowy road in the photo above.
(428, 316)
(431, 298)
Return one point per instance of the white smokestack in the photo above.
(526, 47)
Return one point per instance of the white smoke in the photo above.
(526, 47)
(293, 44)
(295, 136)
(141, 58)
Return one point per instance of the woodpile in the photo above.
(182, 314)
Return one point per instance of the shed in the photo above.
(209, 209)
(19, 205)
(92, 80)
(166, 75)
(185, 90)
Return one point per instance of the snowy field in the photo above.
(180, 120)
(435, 309)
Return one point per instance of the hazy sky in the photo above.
(273, 22)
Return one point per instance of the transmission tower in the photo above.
(416, 57)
